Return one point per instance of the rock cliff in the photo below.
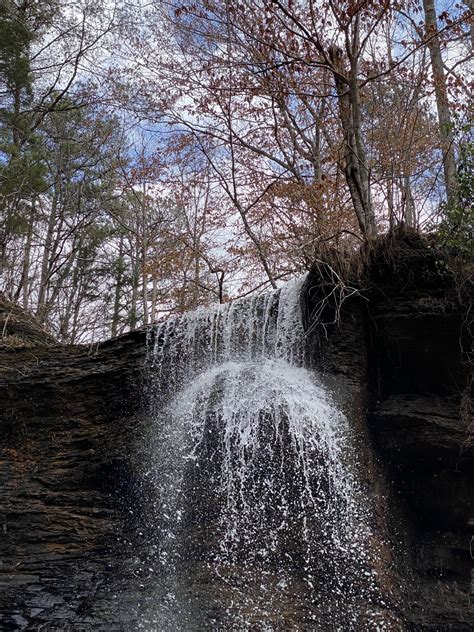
(70, 417)
(406, 342)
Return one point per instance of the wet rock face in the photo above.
(405, 349)
(420, 383)
(421, 426)
(67, 420)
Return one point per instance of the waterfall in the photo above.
(259, 522)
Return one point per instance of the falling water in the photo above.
(258, 520)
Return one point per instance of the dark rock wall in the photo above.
(67, 421)
(341, 354)
(421, 426)
(409, 356)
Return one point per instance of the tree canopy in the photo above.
(160, 156)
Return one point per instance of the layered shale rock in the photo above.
(405, 343)
(67, 421)
(421, 418)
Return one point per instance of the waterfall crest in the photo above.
(263, 326)
(252, 467)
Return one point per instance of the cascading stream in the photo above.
(255, 490)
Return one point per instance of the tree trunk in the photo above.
(24, 283)
(133, 318)
(390, 200)
(442, 104)
(144, 252)
(154, 299)
(48, 243)
(118, 290)
(408, 202)
(355, 161)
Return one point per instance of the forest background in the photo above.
(157, 156)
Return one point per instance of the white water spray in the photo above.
(252, 465)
